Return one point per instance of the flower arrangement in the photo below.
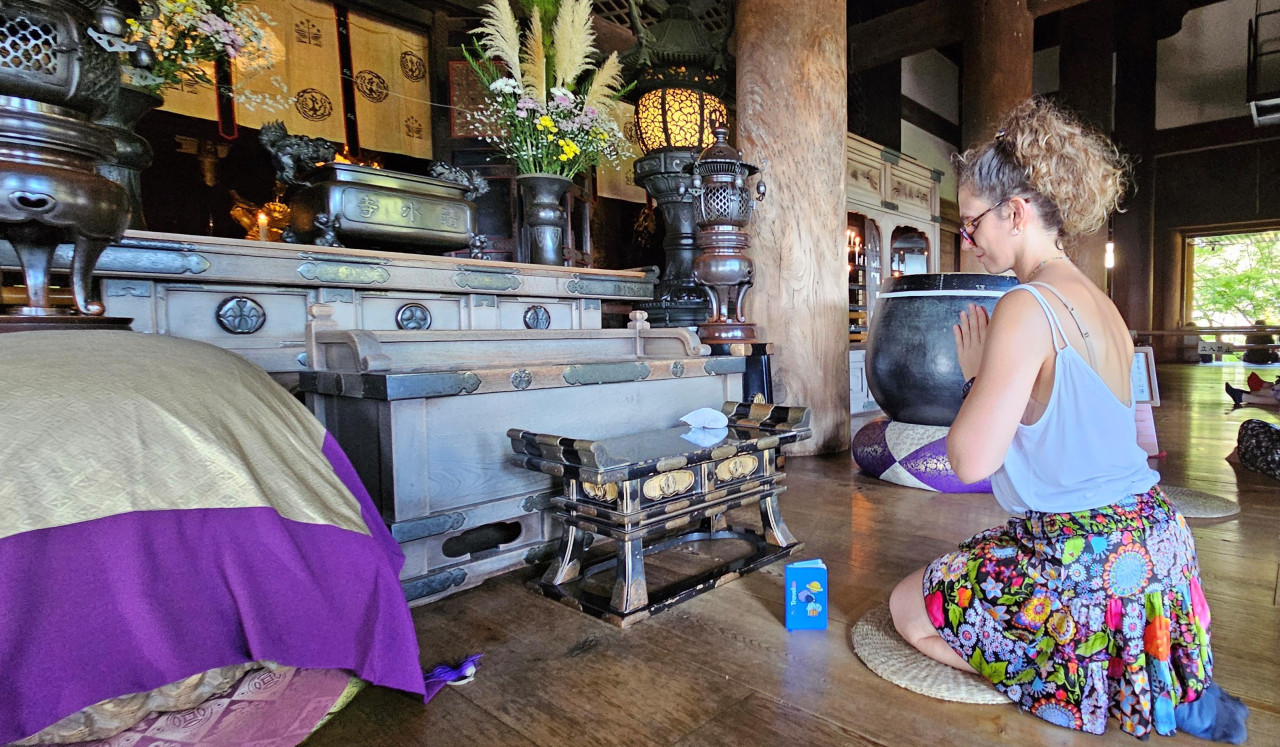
(549, 109)
(184, 35)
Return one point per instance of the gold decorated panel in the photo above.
(736, 468)
(606, 493)
(668, 484)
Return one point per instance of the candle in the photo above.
(264, 233)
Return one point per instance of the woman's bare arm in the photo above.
(1015, 346)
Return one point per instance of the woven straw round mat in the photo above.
(884, 652)
(1195, 504)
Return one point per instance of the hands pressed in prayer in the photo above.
(971, 335)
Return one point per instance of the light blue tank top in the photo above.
(1083, 451)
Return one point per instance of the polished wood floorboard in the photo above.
(722, 670)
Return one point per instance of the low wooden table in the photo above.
(653, 490)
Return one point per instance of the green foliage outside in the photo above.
(1237, 279)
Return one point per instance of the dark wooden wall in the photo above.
(875, 104)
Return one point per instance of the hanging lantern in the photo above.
(678, 118)
(680, 71)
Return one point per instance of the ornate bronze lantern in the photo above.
(59, 67)
(679, 71)
(723, 204)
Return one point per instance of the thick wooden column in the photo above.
(791, 111)
(1135, 128)
(1084, 75)
(998, 53)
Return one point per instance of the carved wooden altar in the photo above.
(650, 491)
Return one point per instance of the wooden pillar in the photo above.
(1135, 125)
(792, 68)
(996, 76)
(1085, 86)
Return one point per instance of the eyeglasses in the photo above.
(970, 227)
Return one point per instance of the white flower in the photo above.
(505, 85)
(558, 91)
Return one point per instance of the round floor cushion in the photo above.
(910, 455)
(878, 644)
(1196, 504)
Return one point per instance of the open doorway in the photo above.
(1233, 280)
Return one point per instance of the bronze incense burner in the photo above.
(723, 205)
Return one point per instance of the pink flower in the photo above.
(1115, 613)
(1115, 667)
(933, 605)
(1198, 604)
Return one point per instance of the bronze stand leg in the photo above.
(775, 529)
(34, 246)
(569, 565)
(83, 260)
(630, 592)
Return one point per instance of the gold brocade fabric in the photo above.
(191, 99)
(110, 717)
(393, 89)
(308, 66)
(99, 423)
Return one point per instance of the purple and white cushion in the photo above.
(911, 455)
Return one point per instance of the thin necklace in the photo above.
(1031, 276)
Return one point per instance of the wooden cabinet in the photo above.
(893, 219)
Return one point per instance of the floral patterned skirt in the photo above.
(1081, 616)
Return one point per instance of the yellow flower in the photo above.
(545, 123)
(551, 138)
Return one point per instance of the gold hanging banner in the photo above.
(309, 68)
(618, 181)
(190, 99)
(393, 90)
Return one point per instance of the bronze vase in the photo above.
(544, 218)
(133, 152)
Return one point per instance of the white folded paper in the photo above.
(705, 437)
(705, 417)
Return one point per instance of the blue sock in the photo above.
(1215, 715)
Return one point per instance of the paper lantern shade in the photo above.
(677, 118)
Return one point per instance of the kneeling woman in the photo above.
(1087, 604)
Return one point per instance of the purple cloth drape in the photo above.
(133, 601)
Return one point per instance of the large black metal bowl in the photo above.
(911, 350)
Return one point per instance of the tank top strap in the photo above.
(1084, 333)
(1054, 323)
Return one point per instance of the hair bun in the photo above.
(1074, 175)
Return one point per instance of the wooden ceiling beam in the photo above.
(1045, 7)
(900, 33)
(926, 25)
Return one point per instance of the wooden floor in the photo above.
(722, 670)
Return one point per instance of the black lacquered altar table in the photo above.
(653, 490)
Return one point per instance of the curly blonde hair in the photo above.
(1074, 175)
